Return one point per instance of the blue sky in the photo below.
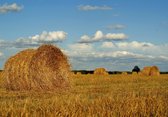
(114, 34)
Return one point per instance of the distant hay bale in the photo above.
(154, 71)
(78, 73)
(46, 68)
(146, 71)
(124, 73)
(100, 71)
(151, 71)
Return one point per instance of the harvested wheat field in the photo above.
(94, 96)
(45, 68)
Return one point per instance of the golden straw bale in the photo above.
(16, 71)
(154, 71)
(78, 73)
(151, 71)
(100, 71)
(45, 68)
(124, 73)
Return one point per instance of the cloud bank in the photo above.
(36, 40)
(117, 55)
(5, 8)
(92, 8)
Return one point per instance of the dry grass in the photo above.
(93, 95)
(45, 68)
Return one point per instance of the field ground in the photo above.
(93, 96)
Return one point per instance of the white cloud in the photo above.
(36, 40)
(91, 8)
(81, 47)
(1, 54)
(116, 27)
(44, 37)
(116, 36)
(117, 55)
(107, 45)
(5, 8)
(53, 36)
(99, 36)
(135, 45)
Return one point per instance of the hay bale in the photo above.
(100, 71)
(46, 68)
(78, 73)
(16, 71)
(154, 71)
(146, 71)
(151, 71)
(124, 73)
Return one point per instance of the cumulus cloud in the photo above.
(44, 37)
(116, 27)
(5, 8)
(91, 8)
(54, 36)
(107, 45)
(99, 36)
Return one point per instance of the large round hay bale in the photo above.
(154, 71)
(16, 71)
(46, 68)
(100, 71)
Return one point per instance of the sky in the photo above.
(114, 34)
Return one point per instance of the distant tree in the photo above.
(136, 69)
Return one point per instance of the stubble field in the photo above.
(93, 96)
